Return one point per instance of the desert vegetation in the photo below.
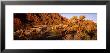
(53, 26)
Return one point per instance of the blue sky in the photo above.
(90, 16)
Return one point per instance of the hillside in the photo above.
(53, 26)
(33, 19)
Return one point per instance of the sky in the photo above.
(90, 16)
